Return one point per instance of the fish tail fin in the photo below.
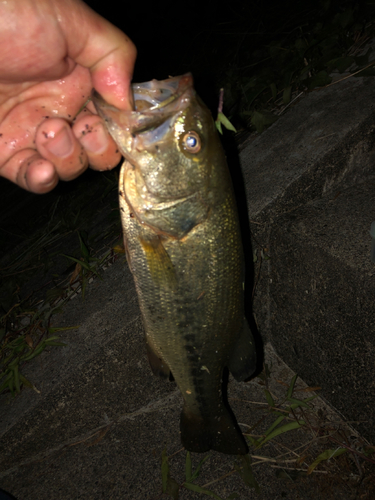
(219, 432)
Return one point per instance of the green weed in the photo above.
(292, 415)
(267, 72)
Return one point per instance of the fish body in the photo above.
(183, 246)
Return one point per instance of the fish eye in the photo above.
(191, 142)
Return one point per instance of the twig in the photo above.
(302, 470)
(221, 101)
(346, 77)
(219, 479)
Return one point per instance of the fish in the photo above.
(183, 246)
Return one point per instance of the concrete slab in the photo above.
(323, 145)
(100, 421)
(325, 142)
(323, 296)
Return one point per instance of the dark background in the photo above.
(208, 38)
(219, 41)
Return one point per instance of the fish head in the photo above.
(167, 138)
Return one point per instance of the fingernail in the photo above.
(61, 144)
(95, 142)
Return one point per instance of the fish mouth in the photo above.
(156, 104)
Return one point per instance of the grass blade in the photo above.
(326, 455)
(199, 489)
(281, 430)
(246, 473)
(164, 470)
(291, 387)
(197, 470)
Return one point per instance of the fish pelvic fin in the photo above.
(243, 359)
(159, 263)
(220, 433)
(158, 366)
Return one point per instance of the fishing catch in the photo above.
(183, 246)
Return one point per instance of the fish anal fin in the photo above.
(242, 361)
(219, 433)
(158, 366)
(159, 263)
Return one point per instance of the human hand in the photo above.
(52, 52)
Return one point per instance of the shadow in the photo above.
(231, 151)
(6, 496)
(224, 391)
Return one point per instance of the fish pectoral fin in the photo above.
(158, 366)
(159, 263)
(217, 432)
(243, 359)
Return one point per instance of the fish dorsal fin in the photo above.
(159, 263)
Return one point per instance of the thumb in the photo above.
(93, 42)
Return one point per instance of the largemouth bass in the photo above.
(183, 246)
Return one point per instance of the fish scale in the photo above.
(183, 247)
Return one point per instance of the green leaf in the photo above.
(281, 430)
(35, 353)
(11, 385)
(169, 485)
(221, 118)
(85, 265)
(16, 376)
(344, 18)
(273, 90)
(291, 475)
(61, 329)
(341, 63)
(164, 470)
(326, 455)
(275, 424)
(173, 488)
(368, 451)
(320, 80)
(297, 403)
(199, 489)
(84, 250)
(197, 470)
(269, 398)
(291, 386)
(363, 60)
(54, 293)
(25, 381)
(286, 94)
(301, 46)
(246, 472)
(262, 120)
(253, 441)
(53, 341)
